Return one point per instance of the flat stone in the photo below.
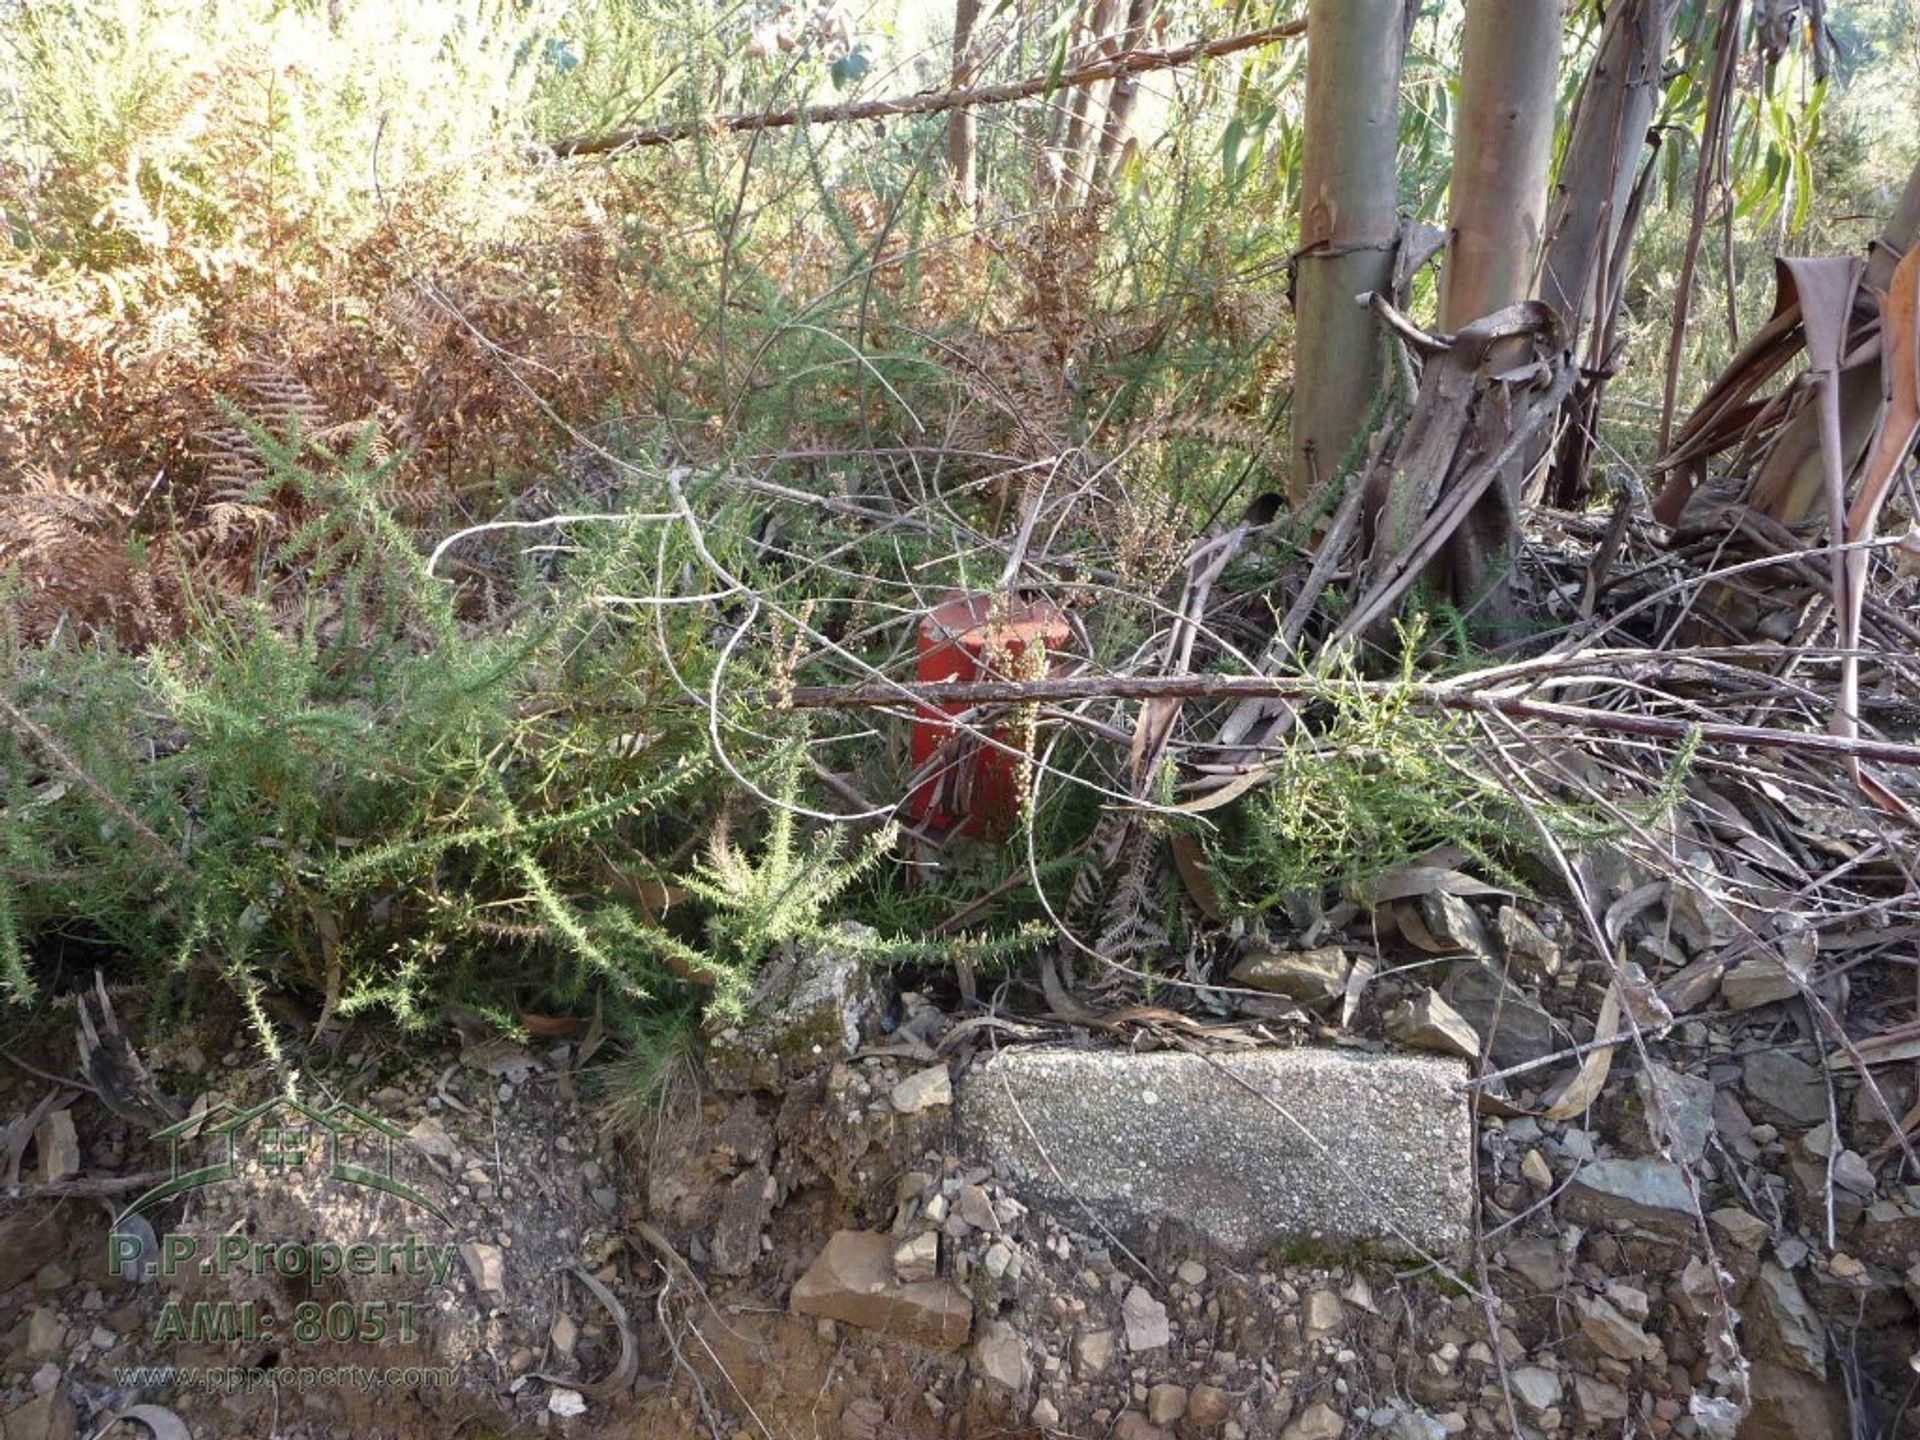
(1526, 945)
(1649, 1193)
(1739, 1228)
(1426, 1022)
(918, 1259)
(853, 1282)
(1516, 1029)
(1000, 1356)
(1758, 980)
(46, 1334)
(1319, 1421)
(1782, 1325)
(1221, 1143)
(1092, 1353)
(1146, 1321)
(1679, 1110)
(1785, 1088)
(58, 1145)
(1536, 1387)
(922, 1091)
(564, 1334)
(487, 1264)
(1613, 1334)
(1309, 976)
(567, 1404)
(45, 1417)
(1322, 1314)
(1597, 1400)
(430, 1138)
(974, 1206)
(1539, 1262)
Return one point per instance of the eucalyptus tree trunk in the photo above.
(962, 144)
(1084, 120)
(1502, 147)
(1591, 222)
(1586, 225)
(1348, 224)
(1114, 135)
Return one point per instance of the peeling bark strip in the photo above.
(1132, 62)
(1268, 687)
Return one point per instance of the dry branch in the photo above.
(1268, 687)
(1132, 62)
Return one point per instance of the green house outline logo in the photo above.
(291, 1149)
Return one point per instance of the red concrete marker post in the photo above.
(974, 637)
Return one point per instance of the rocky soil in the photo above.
(1716, 1235)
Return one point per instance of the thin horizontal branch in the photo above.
(1266, 687)
(1132, 62)
(83, 1188)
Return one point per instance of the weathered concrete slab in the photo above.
(1354, 1150)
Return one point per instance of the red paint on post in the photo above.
(974, 637)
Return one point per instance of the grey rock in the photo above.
(1851, 1172)
(1782, 1324)
(1538, 1262)
(1217, 1142)
(1679, 1110)
(1785, 1088)
(1536, 1387)
(1309, 976)
(1455, 924)
(1000, 1356)
(1516, 1029)
(1146, 1321)
(1739, 1228)
(924, 1090)
(853, 1282)
(1649, 1193)
(1426, 1022)
(973, 1205)
(806, 1010)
